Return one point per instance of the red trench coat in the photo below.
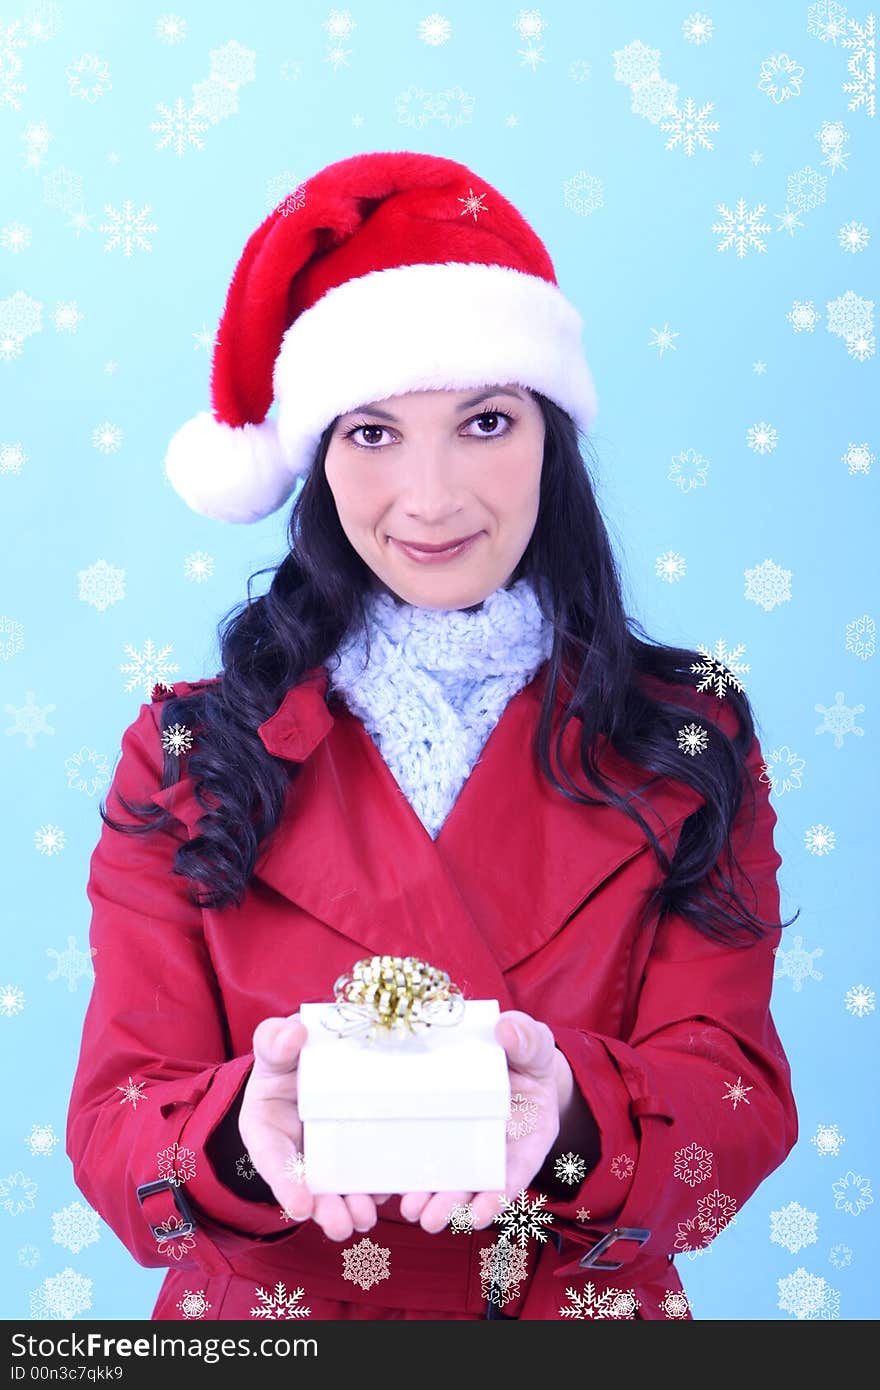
(524, 897)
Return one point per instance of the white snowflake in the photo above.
(806, 189)
(132, 1092)
(17, 1193)
(11, 1000)
(670, 567)
(635, 62)
(174, 1238)
(819, 839)
(692, 1164)
(794, 1227)
(234, 63)
(860, 1000)
(828, 1140)
(741, 228)
(365, 1263)
(689, 470)
(279, 1304)
(839, 719)
(697, 29)
(853, 237)
(64, 1295)
(689, 128)
(28, 1256)
(803, 1294)
(852, 1193)
(434, 30)
(522, 1220)
(71, 965)
(720, 668)
(768, 585)
(180, 127)
(861, 66)
(840, 1256)
(15, 237)
(295, 1166)
(654, 98)
(177, 1164)
(147, 667)
(75, 1227)
(50, 840)
(41, 1140)
(663, 338)
(861, 637)
(88, 78)
(796, 964)
(461, 1218)
(107, 438)
(170, 28)
(244, 1167)
(674, 1304)
(692, 739)
(715, 1211)
(198, 566)
(128, 228)
(194, 1304)
(502, 1269)
(622, 1166)
(177, 739)
(593, 1303)
(570, 1168)
(802, 316)
(522, 1116)
(780, 66)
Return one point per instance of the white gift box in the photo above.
(424, 1113)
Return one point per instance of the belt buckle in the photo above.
(592, 1261)
(149, 1189)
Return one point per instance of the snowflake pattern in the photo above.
(132, 1092)
(523, 1220)
(461, 1218)
(796, 964)
(840, 1256)
(570, 1168)
(840, 719)
(11, 1000)
(794, 1227)
(128, 229)
(71, 965)
(503, 1267)
(622, 1166)
(279, 1304)
(194, 1304)
(860, 1001)
(674, 1304)
(177, 1164)
(806, 1295)
(692, 739)
(852, 1193)
(75, 1227)
(174, 1237)
(720, 668)
(689, 129)
(741, 228)
(593, 1303)
(365, 1263)
(180, 128)
(828, 1140)
(295, 1166)
(147, 667)
(17, 1193)
(41, 1140)
(715, 1211)
(692, 1236)
(62, 1296)
(522, 1116)
(244, 1167)
(693, 1164)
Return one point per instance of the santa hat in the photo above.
(383, 273)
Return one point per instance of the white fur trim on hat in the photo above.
(423, 328)
(228, 473)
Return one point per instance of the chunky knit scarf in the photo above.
(436, 683)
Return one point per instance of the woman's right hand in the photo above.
(272, 1132)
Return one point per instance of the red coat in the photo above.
(524, 897)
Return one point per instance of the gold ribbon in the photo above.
(383, 997)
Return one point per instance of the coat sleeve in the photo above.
(695, 1107)
(155, 1076)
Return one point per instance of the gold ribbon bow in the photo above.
(383, 997)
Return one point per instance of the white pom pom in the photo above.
(229, 473)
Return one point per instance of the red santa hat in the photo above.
(383, 273)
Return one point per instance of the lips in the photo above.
(435, 549)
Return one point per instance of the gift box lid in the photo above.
(447, 1072)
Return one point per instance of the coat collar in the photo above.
(510, 840)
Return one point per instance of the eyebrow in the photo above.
(372, 409)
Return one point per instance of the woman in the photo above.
(471, 760)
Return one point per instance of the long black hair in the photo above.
(317, 593)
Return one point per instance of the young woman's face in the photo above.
(433, 467)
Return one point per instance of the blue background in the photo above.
(537, 104)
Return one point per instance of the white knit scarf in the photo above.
(436, 683)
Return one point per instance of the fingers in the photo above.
(277, 1044)
(432, 1210)
(530, 1045)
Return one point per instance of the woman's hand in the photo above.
(272, 1131)
(539, 1072)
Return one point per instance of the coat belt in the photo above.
(433, 1272)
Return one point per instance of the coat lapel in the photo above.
(513, 860)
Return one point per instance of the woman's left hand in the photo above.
(540, 1073)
